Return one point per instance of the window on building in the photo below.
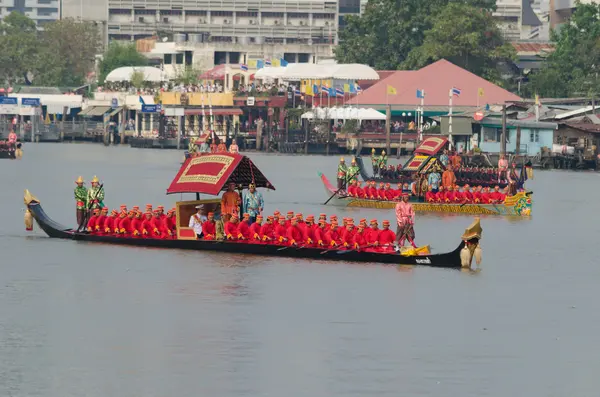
(179, 59)
(168, 59)
(534, 136)
(46, 11)
(45, 1)
(493, 135)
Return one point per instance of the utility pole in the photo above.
(388, 128)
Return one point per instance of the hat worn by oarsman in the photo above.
(80, 180)
(95, 179)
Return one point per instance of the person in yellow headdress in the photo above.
(95, 195)
(341, 174)
(81, 195)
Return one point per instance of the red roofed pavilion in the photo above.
(437, 80)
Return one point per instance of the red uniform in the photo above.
(477, 197)
(386, 240)
(294, 234)
(360, 192)
(244, 231)
(485, 198)
(430, 197)
(381, 194)
(347, 237)
(231, 230)
(352, 191)
(359, 240)
(449, 196)
(255, 231)
(146, 227)
(109, 224)
(209, 230)
(136, 227)
(440, 196)
(91, 225)
(389, 194)
(125, 226)
(99, 228)
(267, 232)
(308, 235)
(281, 233)
(331, 238)
(372, 192)
(302, 226)
(320, 236)
(459, 197)
(171, 223)
(372, 237)
(158, 228)
(497, 197)
(467, 196)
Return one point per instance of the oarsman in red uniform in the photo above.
(430, 195)
(477, 195)
(136, 224)
(171, 222)
(158, 227)
(347, 237)
(496, 196)
(267, 231)
(359, 241)
(333, 218)
(370, 190)
(352, 189)
(146, 226)
(320, 232)
(449, 196)
(360, 192)
(440, 196)
(255, 229)
(372, 237)
(161, 212)
(125, 229)
(244, 228)
(381, 191)
(117, 222)
(231, 228)
(91, 225)
(467, 195)
(386, 238)
(290, 216)
(110, 221)
(301, 223)
(276, 216)
(281, 232)
(209, 227)
(308, 234)
(331, 237)
(458, 195)
(99, 228)
(294, 233)
(389, 193)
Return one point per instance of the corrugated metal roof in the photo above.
(93, 111)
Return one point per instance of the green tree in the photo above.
(572, 69)
(137, 78)
(67, 53)
(466, 36)
(389, 29)
(19, 47)
(188, 75)
(118, 55)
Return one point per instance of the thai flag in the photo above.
(324, 90)
(244, 67)
(455, 91)
(339, 92)
(267, 62)
(358, 89)
(297, 92)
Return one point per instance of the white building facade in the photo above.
(41, 11)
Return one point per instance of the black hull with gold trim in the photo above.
(455, 259)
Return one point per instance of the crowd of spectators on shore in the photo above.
(215, 87)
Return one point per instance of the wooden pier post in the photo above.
(388, 129)
(503, 136)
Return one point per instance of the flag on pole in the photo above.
(308, 90)
(339, 92)
(346, 87)
(352, 89)
(297, 92)
(283, 62)
(537, 100)
(142, 100)
(260, 64)
(324, 90)
(391, 90)
(480, 92)
(267, 62)
(358, 89)
(252, 63)
(244, 67)
(420, 93)
(275, 62)
(455, 91)
(315, 89)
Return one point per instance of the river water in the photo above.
(80, 319)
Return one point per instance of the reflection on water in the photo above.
(95, 320)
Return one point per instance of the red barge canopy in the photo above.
(211, 173)
(431, 146)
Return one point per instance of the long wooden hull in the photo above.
(518, 205)
(55, 230)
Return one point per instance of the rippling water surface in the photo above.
(80, 319)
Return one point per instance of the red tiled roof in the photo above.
(383, 74)
(437, 80)
(533, 47)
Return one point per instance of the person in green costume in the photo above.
(81, 195)
(352, 172)
(341, 174)
(383, 160)
(95, 197)
(374, 162)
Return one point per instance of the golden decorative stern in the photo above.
(28, 198)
